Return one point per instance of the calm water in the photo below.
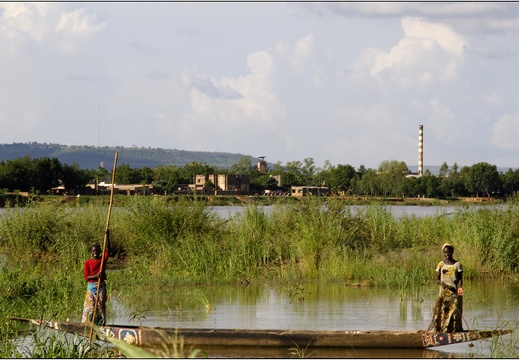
(396, 210)
(487, 305)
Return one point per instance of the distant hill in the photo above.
(91, 157)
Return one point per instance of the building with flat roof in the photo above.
(299, 191)
(222, 184)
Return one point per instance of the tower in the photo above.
(262, 164)
(420, 150)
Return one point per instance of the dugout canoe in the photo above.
(152, 336)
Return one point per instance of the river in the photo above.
(487, 305)
(397, 211)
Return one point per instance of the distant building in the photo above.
(278, 179)
(130, 189)
(262, 165)
(299, 191)
(222, 184)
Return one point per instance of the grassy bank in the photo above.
(159, 242)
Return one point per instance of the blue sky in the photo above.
(344, 82)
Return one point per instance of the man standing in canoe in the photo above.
(449, 306)
(95, 277)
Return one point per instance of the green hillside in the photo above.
(91, 157)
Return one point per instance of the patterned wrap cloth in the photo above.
(90, 299)
(449, 306)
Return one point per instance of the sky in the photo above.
(337, 82)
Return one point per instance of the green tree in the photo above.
(510, 181)
(308, 171)
(26, 174)
(340, 177)
(368, 184)
(415, 186)
(167, 178)
(483, 178)
(145, 175)
(74, 178)
(244, 166)
(45, 173)
(432, 185)
(103, 175)
(16, 174)
(392, 177)
(444, 169)
(452, 183)
(293, 173)
(187, 172)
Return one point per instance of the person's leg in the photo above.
(88, 306)
(101, 302)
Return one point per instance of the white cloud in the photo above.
(209, 87)
(46, 24)
(503, 24)
(19, 20)
(79, 22)
(441, 34)
(428, 53)
(223, 108)
(297, 55)
(505, 132)
(463, 10)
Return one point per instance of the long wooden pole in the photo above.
(104, 245)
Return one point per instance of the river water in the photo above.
(487, 305)
(397, 211)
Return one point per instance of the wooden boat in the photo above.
(150, 336)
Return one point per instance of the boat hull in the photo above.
(152, 336)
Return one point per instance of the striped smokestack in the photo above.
(420, 150)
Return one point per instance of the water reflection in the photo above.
(325, 307)
(398, 211)
(321, 353)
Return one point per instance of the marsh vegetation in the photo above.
(158, 244)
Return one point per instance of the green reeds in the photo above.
(42, 344)
(170, 348)
(162, 244)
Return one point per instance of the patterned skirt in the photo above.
(447, 312)
(90, 300)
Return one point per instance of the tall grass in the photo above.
(506, 347)
(51, 345)
(163, 244)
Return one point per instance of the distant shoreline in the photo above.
(10, 200)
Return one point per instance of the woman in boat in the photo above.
(449, 306)
(95, 276)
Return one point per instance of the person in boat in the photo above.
(449, 305)
(96, 286)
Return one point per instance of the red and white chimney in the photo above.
(420, 150)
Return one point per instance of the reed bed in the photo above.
(158, 243)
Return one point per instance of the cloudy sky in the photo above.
(345, 82)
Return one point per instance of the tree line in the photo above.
(392, 178)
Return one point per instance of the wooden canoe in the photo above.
(151, 336)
